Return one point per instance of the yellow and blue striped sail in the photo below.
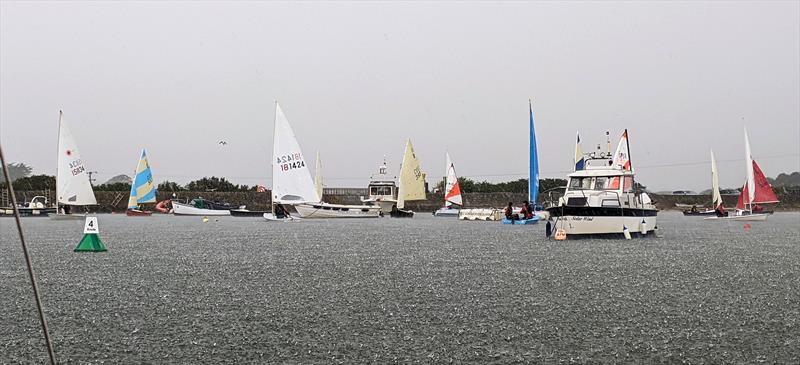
(142, 188)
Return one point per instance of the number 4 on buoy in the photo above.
(91, 237)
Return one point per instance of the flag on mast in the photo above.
(579, 161)
(622, 155)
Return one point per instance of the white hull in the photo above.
(325, 210)
(481, 214)
(385, 204)
(272, 218)
(603, 224)
(746, 217)
(186, 209)
(446, 212)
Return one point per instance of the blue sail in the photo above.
(143, 190)
(533, 174)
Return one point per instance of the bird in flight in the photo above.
(223, 143)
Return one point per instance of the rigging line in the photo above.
(521, 174)
(10, 188)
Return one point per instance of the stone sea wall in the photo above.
(114, 201)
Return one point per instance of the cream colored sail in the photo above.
(412, 179)
(748, 159)
(716, 197)
(143, 189)
(291, 178)
(72, 181)
(318, 176)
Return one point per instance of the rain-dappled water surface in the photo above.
(233, 290)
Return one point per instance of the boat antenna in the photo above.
(608, 142)
(38, 300)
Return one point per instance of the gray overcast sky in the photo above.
(356, 80)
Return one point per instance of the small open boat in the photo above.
(452, 193)
(37, 207)
(201, 206)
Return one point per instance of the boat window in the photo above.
(607, 183)
(364, 210)
(580, 183)
(373, 191)
(325, 207)
(628, 184)
(345, 209)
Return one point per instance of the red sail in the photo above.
(742, 198)
(764, 193)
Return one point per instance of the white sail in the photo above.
(716, 197)
(452, 192)
(291, 178)
(318, 176)
(412, 179)
(72, 181)
(748, 159)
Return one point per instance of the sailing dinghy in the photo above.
(73, 187)
(756, 190)
(292, 183)
(533, 175)
(452, 192)
(411, 185)
(716, 197)
(143, 190)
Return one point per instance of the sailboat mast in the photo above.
(58, 155)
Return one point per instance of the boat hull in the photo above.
(446, 212)
(399, 213)
(27, 212)
(325, 210)
(603, 220)
(533, 220)
(272, 218)
(480, 214)
(248, 213)
(758, 217)
(186, 209)
(138, 213)
(699, 214)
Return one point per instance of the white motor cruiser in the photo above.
(600, 197)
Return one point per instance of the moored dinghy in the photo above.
(452, 192)
(72, 182)
(292, 183)
(143, 190)
(411, 186)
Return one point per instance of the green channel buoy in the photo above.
(91, 237)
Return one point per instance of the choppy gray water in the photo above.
(234, 290)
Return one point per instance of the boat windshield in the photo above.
(380, 190)
(580, 183)
(607, 183)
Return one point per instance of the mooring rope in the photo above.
(28, 261)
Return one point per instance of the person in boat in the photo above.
(694, 208)
(280, 211)
(529, 210)
(510, 212)
(757, 209)
(720, 211)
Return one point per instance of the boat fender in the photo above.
(561, 234)
(626, 232)
(205, 219)
(548, 229)
(643, 227)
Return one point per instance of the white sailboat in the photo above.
(452, 192)
(292, 183)
(73, 187)
(756, 190)
(411, 185)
